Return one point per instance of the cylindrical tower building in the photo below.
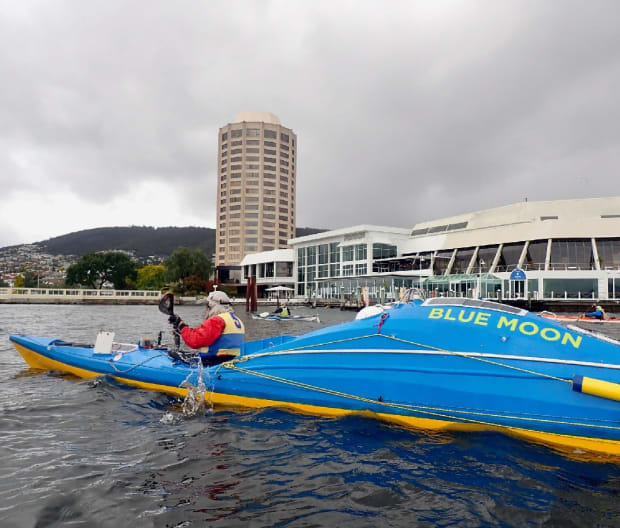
(255, 187)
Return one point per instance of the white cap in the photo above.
(218, 297)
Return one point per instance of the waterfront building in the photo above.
(256, 186)
(272, 269)
(342, 254)
(547, 250)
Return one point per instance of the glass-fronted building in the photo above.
(563, 249)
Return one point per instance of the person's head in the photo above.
(218, 302)
(599, 308)
(284, 304)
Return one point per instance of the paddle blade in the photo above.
(264, 314)
(166, 304)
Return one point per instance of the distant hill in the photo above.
(142, 240)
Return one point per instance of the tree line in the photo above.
(186, 270)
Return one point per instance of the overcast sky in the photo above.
(404, 111)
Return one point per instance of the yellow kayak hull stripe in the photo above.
(568, 444)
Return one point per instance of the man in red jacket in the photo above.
(221, 335)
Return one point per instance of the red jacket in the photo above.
(206, 334)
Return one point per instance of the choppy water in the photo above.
(97, 454)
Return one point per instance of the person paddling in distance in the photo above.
(282, 311)
(596, 313)
(221, 334)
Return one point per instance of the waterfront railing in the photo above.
(62, 293)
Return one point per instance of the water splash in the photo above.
(194, 401)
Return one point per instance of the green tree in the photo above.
(95, 269)
(18, 282)
(151, 277)
(185, 262)
(31, 279)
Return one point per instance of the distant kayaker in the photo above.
(282, 311)
(221, 334)
(597, 312)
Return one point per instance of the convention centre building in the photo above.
(546, 250)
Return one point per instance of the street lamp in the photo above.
(420, 275)
(480, 264)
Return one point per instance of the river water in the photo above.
(97, 454)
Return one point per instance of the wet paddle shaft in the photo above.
(166, 306)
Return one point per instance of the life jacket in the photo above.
(284, 312)
(231, 339)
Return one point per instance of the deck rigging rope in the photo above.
(436, 412)
(422, 409)
(429, 347)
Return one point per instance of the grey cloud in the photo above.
(406, 113)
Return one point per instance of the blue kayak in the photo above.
(441, 364)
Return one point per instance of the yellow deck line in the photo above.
(588, 448)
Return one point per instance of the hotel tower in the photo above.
(255, 188)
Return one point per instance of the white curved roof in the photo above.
(579, 218)
(257, 117)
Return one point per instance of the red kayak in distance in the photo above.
(578, 318)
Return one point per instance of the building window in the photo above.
(236, 133)
(383, 251)
(252, 150)
(571, 254)
(270, 152)
(347, 253)
(609, 253)
(536, 255)
(462, 260)
(360, 252)
(253, 132)
(270, 144)
(283, 147)
(271, 134)
(360, 269)
(236, 159)
(347, 270)
(311, 255)
(284, 269)
(323, 253)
